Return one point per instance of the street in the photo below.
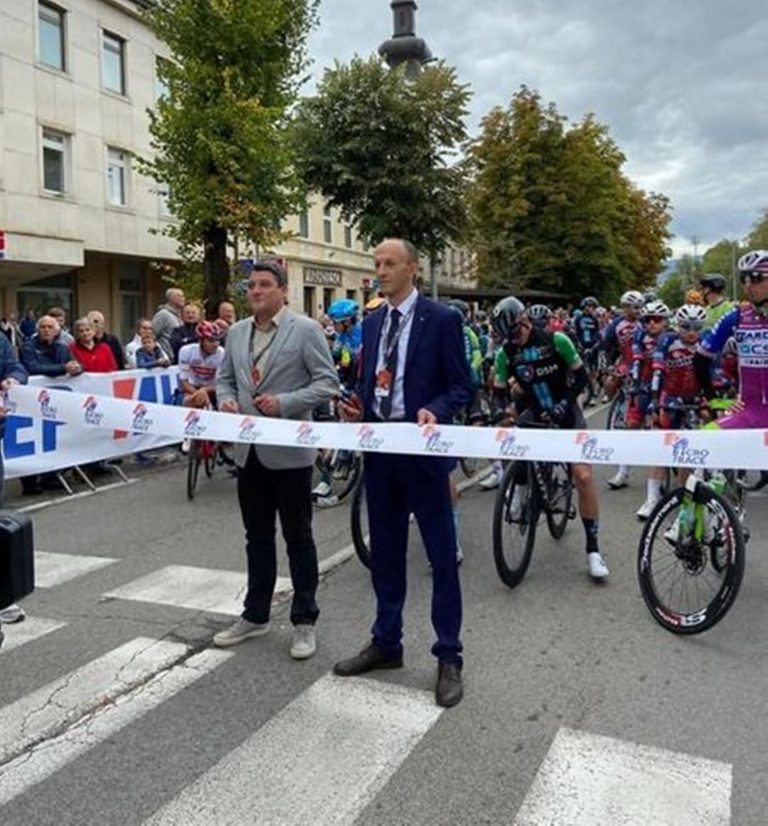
(578, 707)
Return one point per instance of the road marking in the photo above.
(322, 759)
(42, 713)
(54, 569)
(587, 779)
(31, 629)
(199, 589)
(64, 499)
(19, 775)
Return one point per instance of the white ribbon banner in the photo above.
(38, 443)
(746, 449)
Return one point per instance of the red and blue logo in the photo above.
(141, 421)
(367, 439)
(248, 430)
(91, 413)
(433, 440)
(305, 435)
(47, 410)
(509, 446)
(192, 426)
(682, 453)
(592, 450)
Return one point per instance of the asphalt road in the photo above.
(99, 725)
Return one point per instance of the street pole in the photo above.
(733, 271)
(433, 275)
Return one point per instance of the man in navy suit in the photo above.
(413, 370)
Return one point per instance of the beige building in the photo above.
(76, 80)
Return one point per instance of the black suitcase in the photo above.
(17, 573)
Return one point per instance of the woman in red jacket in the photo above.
(95, 357)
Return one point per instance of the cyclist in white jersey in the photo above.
(199, 364)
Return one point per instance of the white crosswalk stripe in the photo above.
(31, 629)
(200, 589)
(52, 569)
(324, 772)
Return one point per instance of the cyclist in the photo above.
(348, 339)
(373, 305)
(540, 316)
(586, 329)
(713, 290)
(543, 375)
(199, 364)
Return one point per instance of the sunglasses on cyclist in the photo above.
(654, 319)
(690, 326)
(752, 277)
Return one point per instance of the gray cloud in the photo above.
(679, 83)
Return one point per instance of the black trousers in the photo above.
(263, 493)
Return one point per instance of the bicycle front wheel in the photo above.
(560, 494)
(193, 468)
(209, 458)
(689, 576)
(617, 412)
(514, 527)
(359, 524)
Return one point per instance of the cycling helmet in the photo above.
(374, 304)
(691, 313)
(506, 316)
(213, 330)
(754, 261)
(459, 306)
(539, 312)
(343, 309)
(713, 281)
(658, 308)
(649, 295)
(633, 299)
(600, 312)
(589, 301)
(694, 297)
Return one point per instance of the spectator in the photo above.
(168, 318)
(28, 325)
(45, 355)
(95, 357)
(150, 354)
(65, 337)
(10, 327)
(102, 336)
(227, 313)
(142, 325)
(11, 372)
(185, 333)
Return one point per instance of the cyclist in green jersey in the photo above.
(717, 305)
(542, 375)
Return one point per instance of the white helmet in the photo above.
(755, 261)
(633, 299)
(658, 308)
(691, 314)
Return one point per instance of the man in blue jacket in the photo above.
(44, 354)
(414, 369)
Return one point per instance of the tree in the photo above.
(758, 235)
(672, 291)
(383, 147)
(551, 204)
(722, 258)
(219, 135)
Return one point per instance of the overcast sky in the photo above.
(682, 84)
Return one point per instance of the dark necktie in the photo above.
(390, 361)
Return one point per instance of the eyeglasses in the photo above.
(752, 277)
(654, 319)
(690, 326)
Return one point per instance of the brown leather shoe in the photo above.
(367, 660)
(449, 689)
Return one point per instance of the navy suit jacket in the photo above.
(436, 374)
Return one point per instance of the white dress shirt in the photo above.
(407, 308)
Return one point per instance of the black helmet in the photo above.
(713, 281)
(460, 307)
(506, 316)
(589, 301)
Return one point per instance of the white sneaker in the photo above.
(604, 399)
(598, 570)
(185, 446)
(519, 495)
(322, 489)
(241, 630)
(459, 554)
(303, 643)
(645, 510)
(13, 613)
(491, 481)
(618, 480)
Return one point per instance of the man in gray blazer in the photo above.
(277, 364)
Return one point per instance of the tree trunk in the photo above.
(215, 270)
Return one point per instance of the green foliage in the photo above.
(219, 136)
(383, 148)
(722, 258)
(550, 205)
(672, 291)
(758, 234)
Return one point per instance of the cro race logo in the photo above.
(592, 450)
(305, 435)
(141, 421)
(508, 445)
(248, 430)
(6, 404)
(367, 439)
(47, 410)
(91, 413)
(192, 426)
(682, 452)
(433, 440)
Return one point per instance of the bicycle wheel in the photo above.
(346, 471)
(514, 533)
(359, 524)
(209, 457)
(617, 412)
(689, 584)
(193, 468)
(560, 495)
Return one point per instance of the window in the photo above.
(352, 295)
(164, 193)
(131, 280)
(161, 85)
(329, 296)
(54, 161)
(51, 36)
(113, 63)
(348, 236)
(304, 224)
(309, 301)
(327, 225)
(117, 177)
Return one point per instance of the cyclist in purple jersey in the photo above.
(748, 324)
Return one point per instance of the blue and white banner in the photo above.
(42, 439)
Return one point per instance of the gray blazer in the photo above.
(298, 370)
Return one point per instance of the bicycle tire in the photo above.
(353, 478)
(617, 412)
(512, 575)
(209, 458)
(193, 469)
(560, 496)
(359, 539)
(692, 563)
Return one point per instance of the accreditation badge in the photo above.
(383, 384)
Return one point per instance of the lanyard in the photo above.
(388, 351)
